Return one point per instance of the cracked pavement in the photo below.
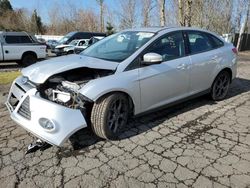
(198, 143)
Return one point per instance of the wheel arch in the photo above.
(130, 99)
(29, 53)
(227, 69)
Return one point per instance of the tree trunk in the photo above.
(101, 4)
(162, 12)
(101, 18)
(146, 10)
(180, 12)
(189, 16)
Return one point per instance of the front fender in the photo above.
(126, 82)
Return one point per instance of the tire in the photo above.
(220, 86)
(108, 118)
(28, 59)
(70, 52)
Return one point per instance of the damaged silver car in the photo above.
(125, 74)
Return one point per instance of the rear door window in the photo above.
(199, 42)
(216, 42)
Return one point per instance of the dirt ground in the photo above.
(199, 143)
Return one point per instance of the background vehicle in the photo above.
(77, 35)
(20, 47)
(69, 48)
(79, 49)
(51, 44)
(128, 73)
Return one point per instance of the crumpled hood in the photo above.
(41, 71)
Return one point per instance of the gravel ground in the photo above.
(199, 143)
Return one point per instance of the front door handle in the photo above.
(181, 66)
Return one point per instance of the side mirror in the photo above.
(151, 59)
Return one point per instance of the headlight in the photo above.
(47, 124)
(24, 79)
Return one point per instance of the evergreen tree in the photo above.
(36, 23)
(5, 6)
(109, 29)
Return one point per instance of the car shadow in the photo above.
(83, 139)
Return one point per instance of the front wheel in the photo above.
(28, 59)
(220, 86)
(109, 115)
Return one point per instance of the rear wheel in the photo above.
(220, 86)
(109, 115)
(28, 59)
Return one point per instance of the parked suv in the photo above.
(20, 47)
(126, 74)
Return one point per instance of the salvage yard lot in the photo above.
(199, 143)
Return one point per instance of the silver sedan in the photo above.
(126, 74)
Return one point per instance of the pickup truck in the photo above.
(20, 47)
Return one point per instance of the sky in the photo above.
(43, 6)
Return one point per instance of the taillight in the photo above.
(235, 51)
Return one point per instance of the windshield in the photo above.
(118, 47)
(63, 40)
(66, 37)
(73, 42)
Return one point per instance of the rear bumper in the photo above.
(30, 107)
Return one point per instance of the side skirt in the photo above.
(174, 103)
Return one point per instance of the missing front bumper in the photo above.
(27, 114)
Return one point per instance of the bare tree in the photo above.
(188, 16)
(64, 20)
(128, 14)
(162, 12)
(180, 12)
(101, 4)
(215, 15)
(185, 12)
(147, 6)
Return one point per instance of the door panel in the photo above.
(11, 52)
(168, 81)
(164, 83)
(203, 66)
(205, 59)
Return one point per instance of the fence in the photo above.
(245, 44)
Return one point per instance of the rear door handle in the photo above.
(181, 66)
(6, 51)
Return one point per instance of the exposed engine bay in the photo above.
(63, 88)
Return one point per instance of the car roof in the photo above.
(149, 29)
(163, 29)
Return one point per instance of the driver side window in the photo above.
(170, 46)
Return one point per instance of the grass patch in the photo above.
(8, 77)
